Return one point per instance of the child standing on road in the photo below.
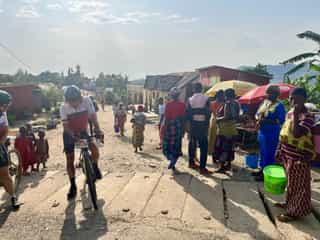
(32, 154)
(23, 144)
(42, 149)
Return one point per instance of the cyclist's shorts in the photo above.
(69, 143)
(4, 159)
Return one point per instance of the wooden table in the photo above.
(247, 135)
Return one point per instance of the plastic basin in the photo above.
(252, 160)
(275, 180)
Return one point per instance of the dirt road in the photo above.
(139, 198)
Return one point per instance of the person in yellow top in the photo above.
(227, 117)
(214, 107)
(296, 151)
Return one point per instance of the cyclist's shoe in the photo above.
(14, 203)
(72, 193)
(97, 172)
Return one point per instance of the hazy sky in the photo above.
(141, 37)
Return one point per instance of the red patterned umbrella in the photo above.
(258, 94)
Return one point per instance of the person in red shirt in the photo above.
(23, 144)
(175, 113)
(32, 153)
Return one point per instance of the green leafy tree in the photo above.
(311, 79)
(52, 96)
(109, 97)
(258, 69)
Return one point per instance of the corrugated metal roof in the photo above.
(188, 77)
(162, 82)
(232, 69)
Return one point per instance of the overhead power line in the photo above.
(13, 55)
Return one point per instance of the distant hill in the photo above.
(137, 82)
(278, 71)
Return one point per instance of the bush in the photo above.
(109, 97)
(11, 119)
(52, 96)
(55, 111)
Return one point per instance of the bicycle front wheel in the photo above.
(15, 168)
(90, 179)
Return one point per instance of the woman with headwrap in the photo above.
(227, 117)
(121, 118)
(175, 113)
(270, 117)
(296, 151)
(138, 121)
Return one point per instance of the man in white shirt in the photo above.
(76, 113)
(198, 115)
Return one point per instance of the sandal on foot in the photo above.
(279, 205)
(285, 218)
(221, 170)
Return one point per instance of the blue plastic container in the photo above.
(252, 160)
(315, 164)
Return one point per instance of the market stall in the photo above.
(248, 132)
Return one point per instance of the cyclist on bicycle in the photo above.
(5, 178)
(76, 113)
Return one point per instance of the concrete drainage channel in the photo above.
(316, 214)
(264, 204)
(225, 204)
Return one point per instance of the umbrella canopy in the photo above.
(258, 94)
(240, 87)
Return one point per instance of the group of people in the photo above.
(76, 114)
(32, 151)
(138, 123)
(193, 118)
(291, 140)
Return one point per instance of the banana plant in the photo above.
(309, 59)
(311, 79)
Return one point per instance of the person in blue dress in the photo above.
(270, 117)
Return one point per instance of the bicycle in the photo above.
(87, 168)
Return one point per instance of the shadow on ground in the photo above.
(150, 156)
(248, 224)
(92, 224)
(31, 181)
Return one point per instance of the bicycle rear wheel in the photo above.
(15, 168)
(90, 179)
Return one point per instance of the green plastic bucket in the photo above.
(275, 180)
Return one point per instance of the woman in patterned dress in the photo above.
(175, 114)
(121, 118)
(295, 152)
(227, 117)
(138, 125)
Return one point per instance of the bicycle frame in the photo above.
(87, 169)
